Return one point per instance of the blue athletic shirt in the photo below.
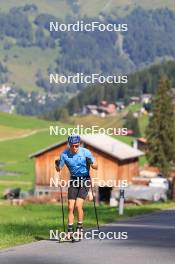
(76, 163)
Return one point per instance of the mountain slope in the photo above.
(29, 52)
(61, 8)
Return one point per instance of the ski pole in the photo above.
(95, 208)
(88, 162)
(57, 163)
(62, 207)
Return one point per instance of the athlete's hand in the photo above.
(57, 165)
(89, 161)
(92, 164)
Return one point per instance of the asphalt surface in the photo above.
(151, 240)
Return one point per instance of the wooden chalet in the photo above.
(116, 161)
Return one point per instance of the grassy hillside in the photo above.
(107, 122)
(91, 120)
(121, 7)
(60, 8)
(23, 122)
(14, 152)
(23, 66)
(6, 133)
(57, 8)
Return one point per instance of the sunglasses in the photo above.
(75, 145)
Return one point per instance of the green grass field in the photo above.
(19, 225)
(109, 121)
(113, 121)
(22, 122)
(14, 153)
(91, 120)
(6, 133)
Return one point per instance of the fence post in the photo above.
(121, 201)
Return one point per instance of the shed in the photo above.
(116, 161)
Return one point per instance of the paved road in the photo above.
(151, 240)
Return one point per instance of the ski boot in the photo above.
(69, 235)
(79, 231)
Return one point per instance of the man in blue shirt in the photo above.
(78, 160)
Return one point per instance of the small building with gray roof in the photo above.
(116, 161)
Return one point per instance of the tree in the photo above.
(132, 124)
(61, 114)
(160, 132)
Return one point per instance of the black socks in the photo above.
(70, 228)
(79, 226)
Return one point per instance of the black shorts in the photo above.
(78, 188)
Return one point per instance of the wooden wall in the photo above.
(113, 169)
(108, 167)
(45, 166)
(128, 169)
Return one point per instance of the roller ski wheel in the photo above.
(78, 235)
(67, 238)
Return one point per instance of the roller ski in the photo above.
(72, 236)
(66, 238)
(79, 232)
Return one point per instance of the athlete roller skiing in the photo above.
(78, 160)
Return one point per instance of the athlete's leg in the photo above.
(70, 227)
(79, 207)
(81, 196)
(72, 195)
(71, 206)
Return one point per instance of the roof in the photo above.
(111, 146)
(42, 151)
(105, 144)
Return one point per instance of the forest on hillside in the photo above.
(145, 81)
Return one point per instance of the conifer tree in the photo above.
(160, 132)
